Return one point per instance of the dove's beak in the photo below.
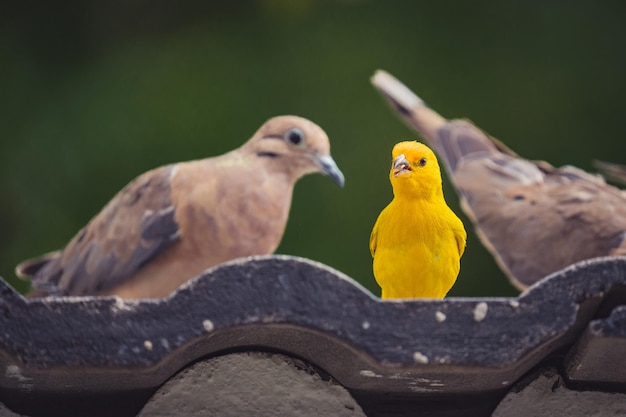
(330, 168)
(401, 165)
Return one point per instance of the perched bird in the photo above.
(417, 241)
(534, 218)
(173, 222)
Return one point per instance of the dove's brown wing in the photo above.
(133, 228)
(534, 218)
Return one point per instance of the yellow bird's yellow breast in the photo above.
(416, 249)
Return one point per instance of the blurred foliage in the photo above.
(94, 93)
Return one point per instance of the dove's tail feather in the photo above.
(31, 267)
(612, 171)
(408, 104)
(453, 140)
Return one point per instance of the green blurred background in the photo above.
(94, 93)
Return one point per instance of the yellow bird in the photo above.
(417, 241)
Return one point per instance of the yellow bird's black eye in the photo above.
(295, 136)
(422, 162)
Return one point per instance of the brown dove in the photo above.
(534, 218)
(173, 222)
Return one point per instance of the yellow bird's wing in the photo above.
(461, 235)
(374, 238)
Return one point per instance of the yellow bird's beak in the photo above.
(401, 165)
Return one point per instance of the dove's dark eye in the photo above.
(295, 136)
(422, 162)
